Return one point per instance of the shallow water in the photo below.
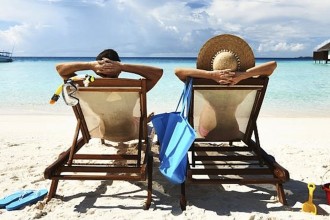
(297, 88)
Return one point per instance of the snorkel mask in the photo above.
(68, 91)
(69, 88)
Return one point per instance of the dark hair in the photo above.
(110, 54)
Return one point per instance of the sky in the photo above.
(161, 28)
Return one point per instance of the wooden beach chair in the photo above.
(227, 148)
(113, 110)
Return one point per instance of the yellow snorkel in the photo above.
(56, 95)
(87, 79)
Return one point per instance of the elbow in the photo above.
(179, 73)
(157, 72)
(274, 65)
(160, 73)
(60, 68)
(152, 81)
(268, 68)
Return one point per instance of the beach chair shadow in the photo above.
(227, 148)
(112, 110)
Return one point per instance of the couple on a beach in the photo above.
(226, 59)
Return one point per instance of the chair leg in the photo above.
(281, 194)
(150, 170)
(52, 190)
(183, 201)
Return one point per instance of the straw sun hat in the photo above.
(225, 52)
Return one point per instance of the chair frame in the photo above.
(136, 171)
(268, 171)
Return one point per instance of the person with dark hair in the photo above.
(109, 65)
(110, 54)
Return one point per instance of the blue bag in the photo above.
(175, 136)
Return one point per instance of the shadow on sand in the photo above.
(214, 198)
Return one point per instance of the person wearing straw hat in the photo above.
(226, 59)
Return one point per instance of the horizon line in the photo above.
(144, 57)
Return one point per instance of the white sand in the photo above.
(29, 143)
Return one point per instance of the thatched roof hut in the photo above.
(322, 54)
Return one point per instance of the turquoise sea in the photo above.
(298, 87)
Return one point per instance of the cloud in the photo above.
(280, 46)
(160, 28)
(15, 34)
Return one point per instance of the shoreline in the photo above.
(29, 143)
(69, 112)
(62, 109)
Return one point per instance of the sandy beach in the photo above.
(29, 143)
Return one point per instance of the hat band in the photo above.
(235, 55)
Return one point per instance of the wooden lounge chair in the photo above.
(114, 110)
(227, 148)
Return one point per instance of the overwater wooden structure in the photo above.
(322, 54)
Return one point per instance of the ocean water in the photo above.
(297, 88)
